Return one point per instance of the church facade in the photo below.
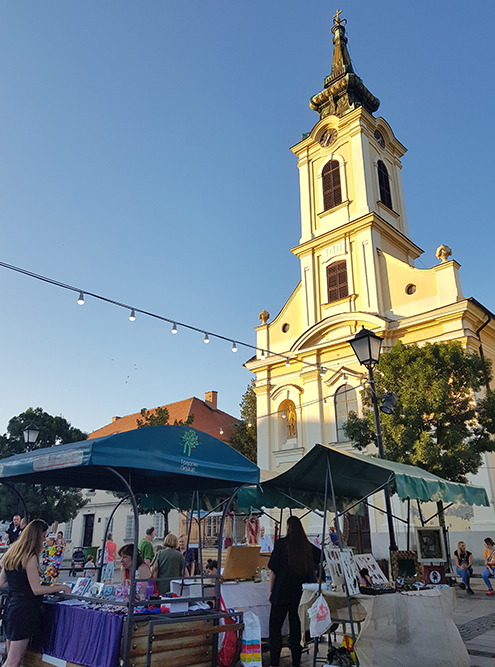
(358, 269)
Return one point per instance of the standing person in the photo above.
(489, 564)
(334, 538)
(89, 567)
(20, 574)
(188, 555)
(266, 544)
(14, 530)
(168, 563)
(146, 547)
(292, 565)
(109, 560)
(464, 566)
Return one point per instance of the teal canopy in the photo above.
(355, 476)
(153, 460)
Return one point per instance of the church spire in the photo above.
(343, 90)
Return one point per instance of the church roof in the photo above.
(343, 90)
(206, 418)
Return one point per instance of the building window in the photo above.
(345, 402)
(384, 183)
(68, 530)
(110, 527)
(332, 192)
(337, 281)
(129, 527)
(159, 523)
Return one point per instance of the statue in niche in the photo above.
(291, 422)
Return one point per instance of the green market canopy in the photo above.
(355, 477)
(152, 460)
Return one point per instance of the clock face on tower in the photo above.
(379, 138)
(328, 137)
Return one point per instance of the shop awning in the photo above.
(153, 460)
(355, 476)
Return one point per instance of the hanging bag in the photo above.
(319, 617)
(227, 651)
(251, 641)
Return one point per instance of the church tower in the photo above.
(357, 269)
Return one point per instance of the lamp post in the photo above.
(30, 434)
(367, 346)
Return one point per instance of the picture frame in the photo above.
(430, 545)
(405, 566)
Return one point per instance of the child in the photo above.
(89, 567)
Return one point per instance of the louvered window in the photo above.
(384, 182)
(337, 281)
(332, 193)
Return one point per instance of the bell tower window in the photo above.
(337, 284)
(332, 191)
(384, 183)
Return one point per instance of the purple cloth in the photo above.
(83, 636)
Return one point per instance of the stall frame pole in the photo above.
(127, 635)
(341, 549)
(99, 568)
(19, 496)
(322, 555)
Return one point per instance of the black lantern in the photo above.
(367, 346)
(388, 402)
(30, 434)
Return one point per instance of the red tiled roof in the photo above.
(205, 419)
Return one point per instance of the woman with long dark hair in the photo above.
(291, 565)
(21, 575)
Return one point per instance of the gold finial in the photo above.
(337, 21)
(264, 316)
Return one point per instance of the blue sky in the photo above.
(144, 156)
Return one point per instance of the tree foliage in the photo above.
(244, 432)
(439, 422)
(51, 503)
(160, 417)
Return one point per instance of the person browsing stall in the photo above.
(168, 563)
(292, 564)
(109, 560)
(21, 576)
(188, 555)
(464, 566)
(146, 547)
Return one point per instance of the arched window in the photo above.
(384, 182)
(337, 285)
(332, 193)
(345, 402)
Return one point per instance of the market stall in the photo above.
(175, 459)
(331, 479)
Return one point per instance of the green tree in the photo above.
(51, 503)
(160, 417)
(243, 433)
(438, 423)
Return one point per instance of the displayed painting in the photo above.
(368, 562)
(430, 545)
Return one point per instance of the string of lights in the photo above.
(81, 300)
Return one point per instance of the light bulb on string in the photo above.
(132, 316)
(174, 328)
(322, 371)
(287, 362)
(262, 355)
(207, 339)
(249, 424)
(80, 300)
(345, 378)
(234, 347)
(283, 414)
(221, 430)
(325, 402)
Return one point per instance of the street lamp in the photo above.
(367, 346)
(30, 434)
